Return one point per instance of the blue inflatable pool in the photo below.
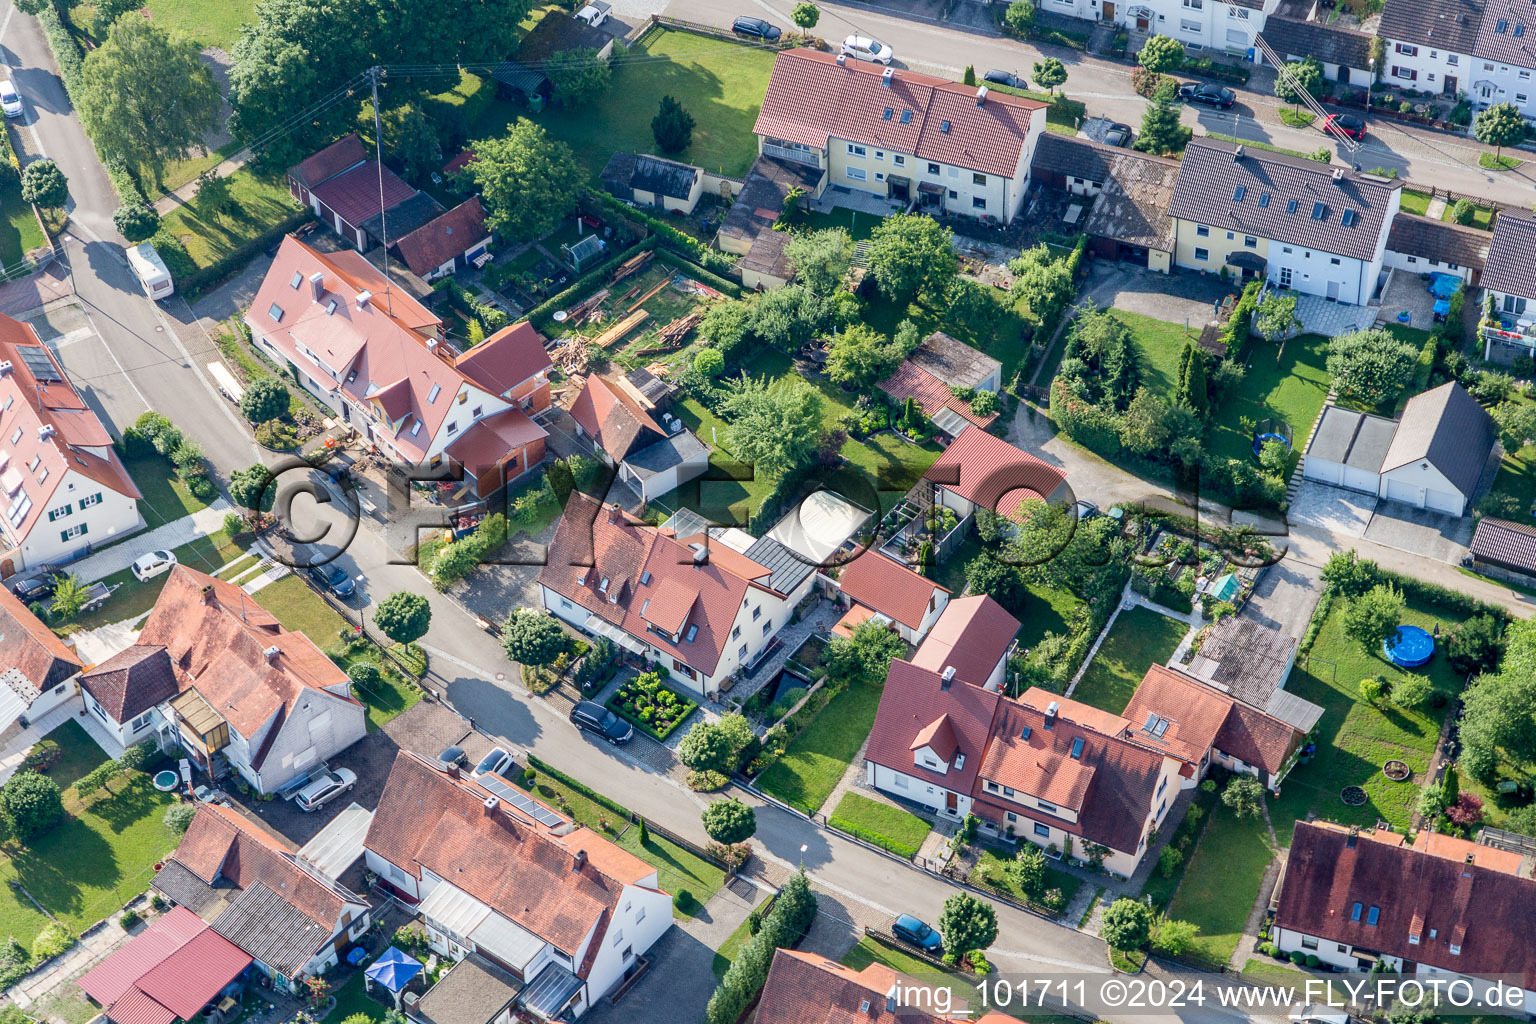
(1410, 648)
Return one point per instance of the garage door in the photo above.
(1362, 480)
(1323, 471)
(1408, 494)
(1444, 501)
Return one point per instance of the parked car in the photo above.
(1085, 509)
(10, 99)
(1208, 93)
(450, 758)
(594, 13)
(757, 28)
(151, 564)
(35, 588)
(494, 763)
(1007, 78)
(1345, 124)
(909, 929)
(325, 787)
(865, 48)
(590, 716)
(1117, 134)
(333, 578)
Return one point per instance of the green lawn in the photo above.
(858, 223)
(1259, 145)
(1161, 345)
(1222, 881)
(960, 986)
(1414, 202)
(1005, 342)
(166, 498)
(1517, 476)
(1139, 639)
(178, 172)
(258, 202)
(300, 609)
(1494, 162)
(132, 599)
(993, 870)
(353, 998)
(816, 759)
(1482, 216)
(1353, 738)
(19, 229)
(1291, 388)
(1160, 888)
(880, 823)
(719, 83)
(207, 22)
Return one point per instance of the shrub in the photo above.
(365, 674)
(1244, 795)
(1411, 692)
(729, 821)
(683, 900)
(1298, 958)
(1467, 810)
(51, 941)
(1476, 645)
(178, 817)
(1463, 210)
(265, 398)
(1312, 960)
(1127, 924)
(129, 919)
(234, 524)
(709, 362)
(1169, 860)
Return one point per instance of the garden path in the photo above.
(1251, 937)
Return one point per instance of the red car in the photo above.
(1345, 124)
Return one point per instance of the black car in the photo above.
(450, 758)
(1208, 93)
(1118, 135)
(757, 28)
(1007, 78)
(591, 716)
(39, 584)
(332, 578)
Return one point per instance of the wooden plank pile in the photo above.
(633, 265)
(670, 337)
(617, 332)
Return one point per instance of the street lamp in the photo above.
(803, 848)
(1370, 82)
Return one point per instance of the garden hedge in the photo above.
(542, 315)
(681, 242)
(580, 787)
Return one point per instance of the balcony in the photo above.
(1510, 331)
(799, 155)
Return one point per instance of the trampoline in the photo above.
(1271, 429)
(1410, 647)
(1261, 439)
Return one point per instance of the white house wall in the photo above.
(1413, 263)
(918, 791)
(114, 517)
(647, 918)
(1438, 492)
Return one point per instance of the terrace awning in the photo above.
(600, 626)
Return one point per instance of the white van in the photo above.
(150, 268)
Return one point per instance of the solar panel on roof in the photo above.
(538, 812)
(38, 362)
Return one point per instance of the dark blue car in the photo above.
(910, 929)
(332, 578)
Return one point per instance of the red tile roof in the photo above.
(52, 424)
(354, 195)
(427, 819)
(972, 635)
(171, 970)
(930, 394)
(440, 240)
(132, 681)
(506, 359)
(1488, 913)
(889, 588)
(614, 419)
(595, 542)
(811, 98)
(912, 706)
(1437, 844)
(340, 155)
(805, 988)
(484, 445)
(984, 470)
(31, 647)
(1201, 718)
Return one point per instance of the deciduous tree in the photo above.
(820, 258)
(404, 616)
(136, 222)
(1160, 54)
(1372, 618)
(1127, 924)
(1373, 365)
(910, 256)
(265, 399)
(1275, 318)
(805, 15)
(1019, 19)
(860, 356)
(1499, 126)
(578, 76)
(865, 656)
(532, 637)
(1050, 73)
(30, 804)
(1298, 79)
(528, 182)
(1244, 795)
(775, 426)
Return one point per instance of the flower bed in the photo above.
(651, 706)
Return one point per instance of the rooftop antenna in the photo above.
(378, 149)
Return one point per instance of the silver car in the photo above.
(325, 787)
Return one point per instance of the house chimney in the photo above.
(842, 60)
(1354, 836)
(1466, 868)
(947, 678)
(580, 861)
(6, 367)
(1237, 154)
(363, 298)
(272, 652)
(890, 998)
(700, 555)
(45, 431)
(1338, 175)
(491, 803)
(613, 513)
(409, 1000)
(208, 594)
(1050, 713)
(886, 76)
(317, 285)
(981, 96)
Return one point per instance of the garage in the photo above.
(1347, 449)
(1439, 452)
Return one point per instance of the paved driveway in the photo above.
(1285, 596)
(1435, 535)
(1171, 297)
(1334, 509)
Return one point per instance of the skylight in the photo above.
(1077, 749)
(1348, 218)
(298, 279)
(1502, 26)
(645, 578)
(1263, 199)
(693, 631)
(944, 127)
(276, 313)
(1354, 914)
(1290, 206)
(1319, 211)
(1373, 916)
(887, 115)
(1024, 735)
(906, 117)
(432, 395)
(1238, 193)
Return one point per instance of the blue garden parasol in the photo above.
(394, 970)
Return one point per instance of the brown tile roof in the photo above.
(1510, 268)
(330, 161)
(915, 706)
(888, 587)
(983, 469)
(440, 240)
(929, 392)
(354, 195)
(954, 362)
(1448, 428)
(613, 419)
(1444, 24)
(1210, 174)
(595, 542)
(483, 446)
(1111, 783)
(1490, 911)
(217, 637)
(811, 98)
(1075, 158)
(31, 647)
(132, 681)
(1437, 240)
(1505, 543)
(1201, 718)
(506, 359)
(805, 988)
(426, 819)
(971, 635)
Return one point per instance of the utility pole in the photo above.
(374, 74)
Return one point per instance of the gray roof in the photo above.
(403, 218)
(627, 172)
(474, 991)
(1078, 158)
(1356, 439)
(1511, 545)
(1437, 240)
(1212, 172)
(1095, 128)
(1506, 33)
(953, 361)
(548, 993)
(666, 454)
(767, 255)
(788, 569)
(511, 73)
(271, 929)
(180, 885)
(1446, 427)
(764, 189)
(652, 388)
(1133, 208)
(1291, 38)
(1510, 268)
(1294, 711)
(1249, 659)
(1442, 24)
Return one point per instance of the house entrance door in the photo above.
(951, 804)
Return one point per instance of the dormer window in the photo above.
(1413, 939)
(1455, 950)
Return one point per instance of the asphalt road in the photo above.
(1424, 156)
